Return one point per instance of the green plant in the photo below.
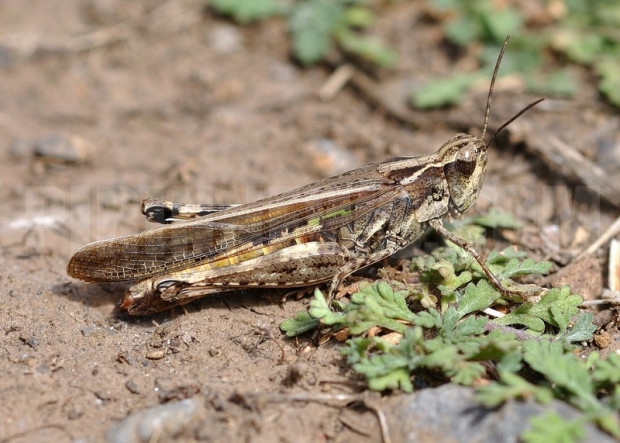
(588, 34)
(583, 32)
(446, 338)
(316, 26)
(244, 11)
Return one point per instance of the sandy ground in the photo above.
(105, 103)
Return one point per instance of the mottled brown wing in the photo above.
(210, 238)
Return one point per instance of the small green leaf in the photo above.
(359, 17)
(390, 368)
(581, 47)
(564, 370)
(503, 257)
(522, 316)
(510, 362)
(444, 5)
(458, 369)
(395, 379)
(495, 219)
(550, 427)
(462, 30)
(430, 319)
(560, 83)
(443, 92)
(477, 297)
(355, 350)
(607, 371)
(302, 322)
(609, 84)
(378, 305)
(511, 386)
(468, 231)
(443, 272)
(555, 308)
(514, 268)
(450, 319)
(244, 11)
(368, 48)
(470, 326)
(312, 24)
(562, 306)
(319, 309)
(500, 22)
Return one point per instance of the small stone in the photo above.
(133, 387)
(169, 389)
(161, 423)
(602, 339)
(224, 39)
(55, 149)
(451, 413)
(156, 354)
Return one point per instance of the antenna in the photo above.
(497, 64)
(488, 109)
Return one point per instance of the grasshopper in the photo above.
(320, 232)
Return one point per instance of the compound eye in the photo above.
(466, 161)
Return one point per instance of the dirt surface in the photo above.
(105, 103)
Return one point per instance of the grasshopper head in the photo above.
(464, 157)
(464, 160)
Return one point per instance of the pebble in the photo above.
(164, 423)
(451, 413)
(57, 148)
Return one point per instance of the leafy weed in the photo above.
(444, 333)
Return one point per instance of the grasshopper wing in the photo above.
(238, 230)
